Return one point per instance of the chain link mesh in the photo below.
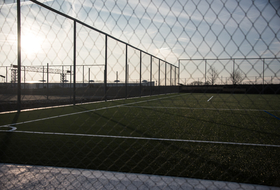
(139, 94)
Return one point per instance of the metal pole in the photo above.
(126, 70)
(6, 74)
(140, 83)
(47, 81)
(43, 75)
(175, 75)
(159, 72)
(19, 56)
(233, 72)
(151, 75)
(24, 76)
(83, 75)
(105, 69)
(205, 70)
(74, 64)
(62, 76)
(170, 74)
(70, 76)
(165, 74)
(179, 64)
(263, 70)
(89, 75)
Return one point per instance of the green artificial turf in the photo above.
(236, 118)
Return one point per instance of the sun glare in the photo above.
(31, 44)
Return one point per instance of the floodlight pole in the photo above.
(19, 56)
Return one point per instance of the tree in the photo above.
(236, 77)
(212, 75)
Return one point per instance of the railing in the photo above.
(93, 56)
(229, 71)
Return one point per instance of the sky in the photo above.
(170, 30)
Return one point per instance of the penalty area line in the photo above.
(147, 138)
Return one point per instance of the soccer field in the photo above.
(229, 137)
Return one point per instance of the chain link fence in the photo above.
(139, 94)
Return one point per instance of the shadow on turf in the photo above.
(213, 122)
(204, 160)
(4, 144)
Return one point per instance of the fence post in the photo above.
(158, 77)
(83, 75)
(47, 81)
(206, 70)
(105, 69)
(151, 74)
(170, 74)
(179, 72)
(126, 71)
(19, 56)
(70, 78)
(6, 74)
(89, 75)
(175, 77)
(24, 76)
(43, 80)
(165, 73)
(140, 83)
(263, 70)
(233, 72)
(74, 64)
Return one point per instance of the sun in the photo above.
(31, 44)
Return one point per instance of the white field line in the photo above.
(147, 138)
(77, 104)
(75, 113)
(187, 108)
(210, 98)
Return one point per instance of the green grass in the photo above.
(226, 118)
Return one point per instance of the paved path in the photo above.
(26, 177)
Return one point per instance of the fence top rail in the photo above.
(238, 58)
(97, 30)
(35, 66)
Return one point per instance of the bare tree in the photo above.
(236, 77)
(212, 75)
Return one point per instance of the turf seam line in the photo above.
(271, 114)
(146, 138)
(75, 113)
